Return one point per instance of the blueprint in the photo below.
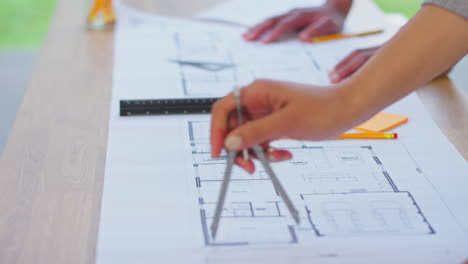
(341, 191)
(160, 49)
(151, 51)
(360, 201)
(361, 13)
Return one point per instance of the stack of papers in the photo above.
(360, 201)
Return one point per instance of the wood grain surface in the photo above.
(53, 164)
(448, 106)
(52, 169)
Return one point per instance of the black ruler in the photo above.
(166, 106)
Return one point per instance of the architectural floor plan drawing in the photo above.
(200, 62)
(359, 201)
(200, 79)
(354, 214)
(244, 62)
(340, 191)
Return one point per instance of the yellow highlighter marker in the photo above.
(342, 36)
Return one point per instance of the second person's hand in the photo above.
(354, 61)
(312, 22)
(351, 63)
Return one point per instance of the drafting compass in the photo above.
(259, 152)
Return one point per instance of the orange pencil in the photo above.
(371, 135)
(368, 136)
(342, 36)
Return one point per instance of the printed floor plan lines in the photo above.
(340, 192)
(378, 213)
(358, 200)
(211, 63)
(199, 77)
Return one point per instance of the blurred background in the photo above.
(23, 27)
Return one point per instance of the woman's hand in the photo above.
(278, 110)
(272, 154)
(351, 64)
(354, 61)
(312, 22)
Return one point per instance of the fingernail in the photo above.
(334, 76)
(266, 40)
(249, 170)
(233, 142)
(275, 157)
(271, 157)
(303, 37)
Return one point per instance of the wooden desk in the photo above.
(51, 172)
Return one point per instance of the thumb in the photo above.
(259, 131)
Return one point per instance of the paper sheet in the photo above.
(360, 201)
(153, 48)
(364, 14)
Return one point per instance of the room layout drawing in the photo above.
(243, 62)
(339, 191)
(199, 80)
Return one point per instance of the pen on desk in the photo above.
(342, 36)
(372, 135)
(368, 136)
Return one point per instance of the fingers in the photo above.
(272, 154)
(277, 25)
(258, 131)
(276, 155)
(258, 105)
(221, 122)
(285, 25)
(351, 64)
(347, 69)
(320, 21)
(323, 26)
(258, 30)
(247, 165)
